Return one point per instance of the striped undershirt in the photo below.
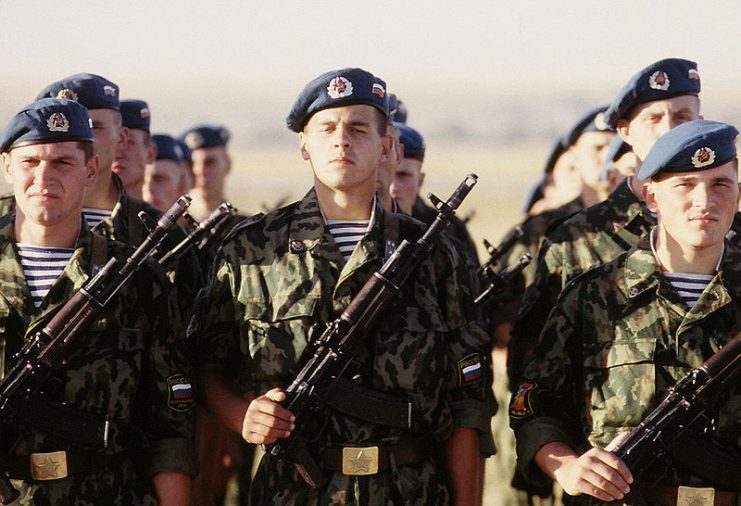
(347, 234)
(94, 216)
(689, 286)
(42, 266)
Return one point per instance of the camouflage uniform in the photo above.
(123, 368)
(618, 338)
(280, 280)
(590, 238)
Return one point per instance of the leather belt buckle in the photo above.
(359, 461)
(49, 466)
(691, 496)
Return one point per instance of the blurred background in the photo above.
(489, 84)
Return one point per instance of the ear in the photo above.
(421, 178)
(387, 145)
(302, 146)
(151, 152)
(123, 137)
(228, 163)
(7, 173)
(649, 195)
(623, 129)
(92, 167)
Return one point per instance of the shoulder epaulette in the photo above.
(245, 223)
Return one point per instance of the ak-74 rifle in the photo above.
(673, 430)
(496, 281)
(48, 349)
(335, 349)
(203, 233)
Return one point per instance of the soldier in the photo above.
(211, 164)
(624, 332)
(129, 370)
(658, 98)
(164, 178)
(132, 159)
(408, 182)
(281, 277)
(620, 163)
(109, 210)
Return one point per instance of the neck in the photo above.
(675, 257)
(103, 194)
(134, 191)
(61, 235)
(338, 205)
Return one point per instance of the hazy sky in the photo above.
(245, 61)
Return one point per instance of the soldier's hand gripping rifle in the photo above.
(496, 281)
(203, 233)
(47, 350)
(336, 347)
(672, 430)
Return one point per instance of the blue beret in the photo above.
(92, 91)
(618, 147)
(692, 146)
(593, 121)
(187, 153)
(135, 114)
(661, 80)
(205, 136)
(349, 86)
(45, 121)
(167, 148)
(414, 143)
(397, 109)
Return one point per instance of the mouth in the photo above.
(342, 160)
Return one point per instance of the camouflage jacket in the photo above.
(124, 368)
(618, 338)
(590, 238)
(279, 281)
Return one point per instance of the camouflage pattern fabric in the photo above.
(590, 238)
(277, 283)
(124, 368)
(618, 338)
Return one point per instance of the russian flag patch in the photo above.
(470, 369)
(180, 393)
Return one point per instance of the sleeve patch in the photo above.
(180, 393)
(521, 405)
(470, 370)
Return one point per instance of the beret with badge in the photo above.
(593, 121)
(205, 136)
(692, 146)
(45, 121)
(92, 91)
(337, 88)
(664, 79)
(168, 148)
(414, 143)
(135, 114)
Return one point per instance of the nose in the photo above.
(701, 196)
(341, 137)
(666, 124)
(42, 172)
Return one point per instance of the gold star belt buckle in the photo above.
(691, 496)
(359, 461)
(49, 466)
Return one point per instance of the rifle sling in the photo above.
(65, 422)
(707, 460)
(369, 405)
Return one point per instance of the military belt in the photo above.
(56, 465)
(689, 496)
(367, 460)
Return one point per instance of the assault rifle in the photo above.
(498, 280)
(497, 252)
(334, 350)
(49, 348)
(673, 429)
(203, 233)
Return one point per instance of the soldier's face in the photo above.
(589, 155)
(345, 147)
(407, 182)
(49, 180)
(651, 120)
(132, 159)
(108, 135)
(210, 167)
(164, 182)
(695, 209)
